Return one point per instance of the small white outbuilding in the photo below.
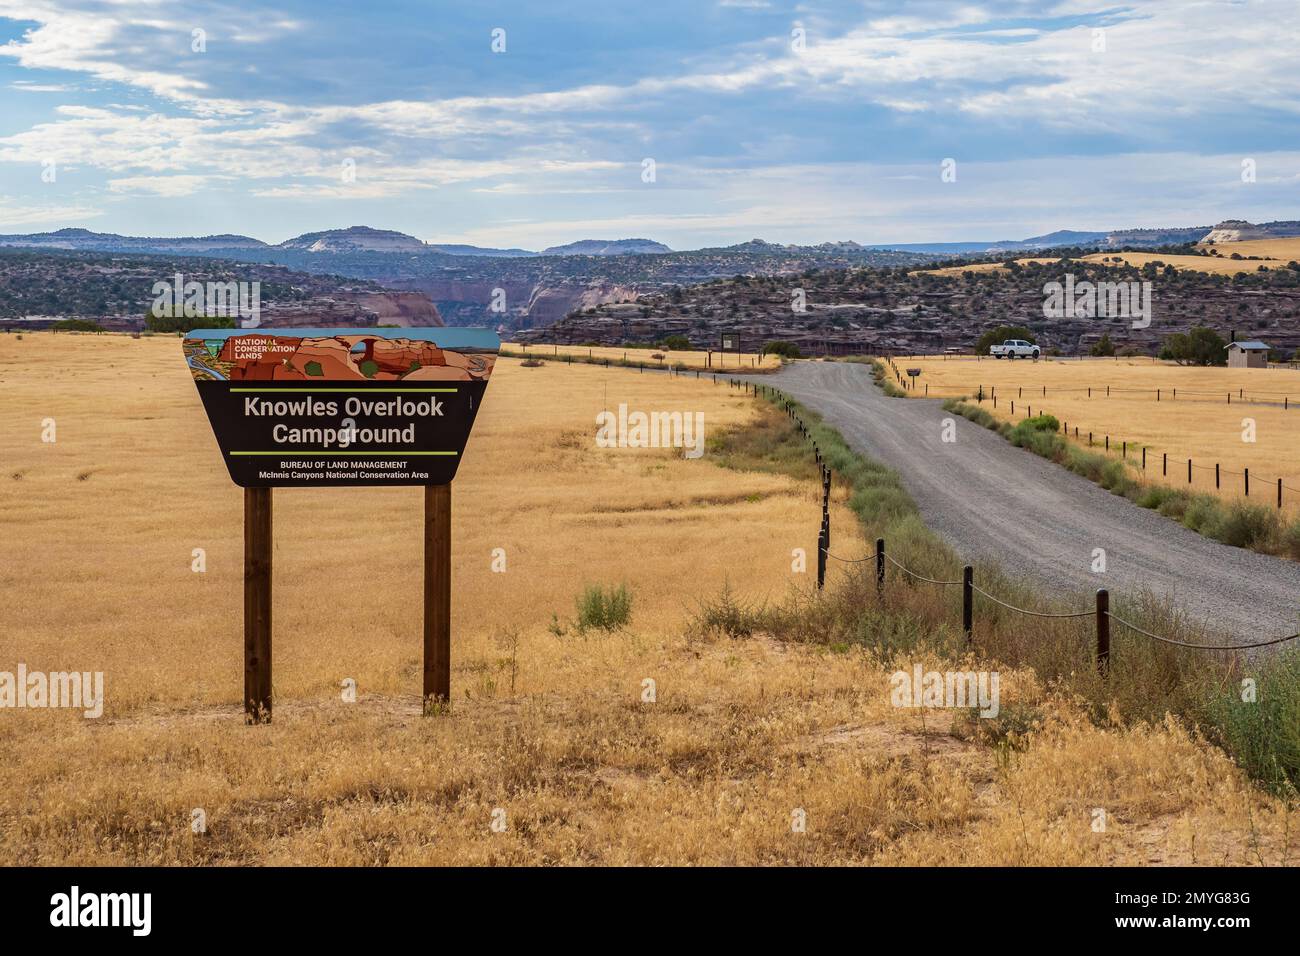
(1247, 355)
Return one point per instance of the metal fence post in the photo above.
(880, 566)
(967, 601)
(821, 555)
(1103, 632)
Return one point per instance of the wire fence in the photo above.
(1239, 396)
(1101, 613)
(1094, 359)
(1249, 478)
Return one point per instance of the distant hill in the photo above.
(355, 239)
(1062, 237)
(1115, 239)
(462, 250)
(608, 247)
(86, 241)
(365, 241)
(116, 289)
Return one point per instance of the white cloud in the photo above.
(26, 86)
(1166, 62)
(876, 203)
(14, 213)
(167, 186)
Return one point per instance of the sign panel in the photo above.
(730, 342)
(332, 407)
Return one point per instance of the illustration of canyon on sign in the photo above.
(408, 355)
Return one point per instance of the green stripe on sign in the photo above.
(335, 454)
(353, 391)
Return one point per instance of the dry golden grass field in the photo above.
(1272, 253)
(1193, 417)
(721, 361)
(548, 732)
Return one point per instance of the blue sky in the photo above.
(793, 122)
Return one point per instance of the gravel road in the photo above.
(993, 501)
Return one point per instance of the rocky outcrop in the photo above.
(1140, 238)
(344, 308)
(527, 304)
(548, 305)
(405, 309)
(1239, 230)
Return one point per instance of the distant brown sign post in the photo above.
(730, 342)
(305, 408)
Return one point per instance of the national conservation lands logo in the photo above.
(296, 407)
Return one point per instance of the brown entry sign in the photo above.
(337, 407)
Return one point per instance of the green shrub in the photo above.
(1042, 443)
(1202, 513)
(728, 616)
(182, 323)
(1011, 728)
(1263, 734)
(783, 349)
(606, 609)
(972, 412)
(1289, 540)
(1244, 526)
(1115, 477)
(76, 325)
(881, 373)
(1043, 423)
(1176, 505)
(1086, 463)
(1153, 496)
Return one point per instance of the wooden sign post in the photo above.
(257, 605)
(308, 408)
(437, 595)
(730, 342)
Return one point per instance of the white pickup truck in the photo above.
(1015, 348)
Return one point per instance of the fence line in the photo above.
(1101, 613)
(1279, 483)
(1041, 392)
(1280, 400)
